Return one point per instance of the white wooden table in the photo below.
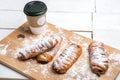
(97, 19)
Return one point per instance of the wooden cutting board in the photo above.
(22, 37)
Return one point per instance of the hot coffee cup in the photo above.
(36, 15)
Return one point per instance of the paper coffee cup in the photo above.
(36, 15)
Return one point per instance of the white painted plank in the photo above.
(108, 6)
(71, 21)
(5, 72)
(71, 5)
(106, 21)
(53, 5)
(13, 4)
(118, 77)
(85, 34)
(109, 37)
(11, 19)
(4, 33)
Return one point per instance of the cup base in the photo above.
(37, 30)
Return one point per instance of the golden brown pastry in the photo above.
(40, 47)
(67, 58)
(98, 58)
(49, 55)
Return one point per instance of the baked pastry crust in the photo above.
(40, 47)
(67, 58)
(49, 55)
(98, 58)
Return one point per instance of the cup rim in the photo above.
(35, 8)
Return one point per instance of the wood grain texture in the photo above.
(10, 45)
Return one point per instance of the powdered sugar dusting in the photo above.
(85, 48)
(3, 49)
(30, 67)
(115, 57)
(75, 38)
(38, 48)
(81, 70)
(109, 71)
(98, 56)
(35, 38)
(68, 56)
(34, 67)
(44, 71)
